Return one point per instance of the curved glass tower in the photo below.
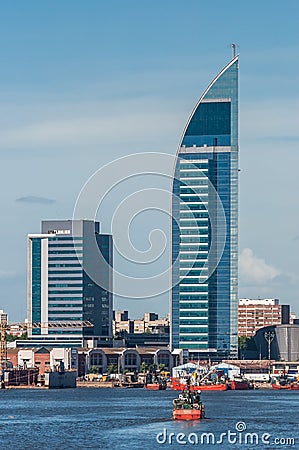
(204, 303)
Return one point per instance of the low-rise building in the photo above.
(120, 360)
(45, 359)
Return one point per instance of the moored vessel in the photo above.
(283, 382)
(291, 386)
(240, 384)
(155, 382)
(160, 386)
(179, 384)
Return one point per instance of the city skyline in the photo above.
(67, 96)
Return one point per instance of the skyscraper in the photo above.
(59, 289)
(204, 301)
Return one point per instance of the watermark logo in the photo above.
(238, 436)
(241, 426)
(172, 202)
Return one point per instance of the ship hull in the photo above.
(187, 414)
(239, 385)
(156, 387)
(178, 386)
(289, 387)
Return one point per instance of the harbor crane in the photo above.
(5, 327)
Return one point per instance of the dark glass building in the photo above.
(204, 301)
(59, 289)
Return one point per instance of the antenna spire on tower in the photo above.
(234, 48)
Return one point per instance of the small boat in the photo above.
(240, 384)
(161, 386)
(283, 382)
(188, 406)
(291, 386)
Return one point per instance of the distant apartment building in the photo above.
(254, 314)
(61, 290)
(3, 317)
(150, 323)
(294, 319)
(16, 330)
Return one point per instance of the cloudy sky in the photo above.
(83, 83)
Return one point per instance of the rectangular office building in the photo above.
(61, 288)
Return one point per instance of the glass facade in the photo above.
(59, 287)
(204, 247)
(36, 282)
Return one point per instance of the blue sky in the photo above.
(83, 83)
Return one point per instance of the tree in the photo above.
(246, 343)
(242, 342)
(122, 334)
(143, 367)
(112, 368)
(11, 338)
(94, 369)
(153, 367)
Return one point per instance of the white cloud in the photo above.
(36, 199)
(255, 270)
(7, 274)
(275, 119)
(83, 124)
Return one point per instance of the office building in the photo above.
(60, 289)
(204, 303)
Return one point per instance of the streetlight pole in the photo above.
(269, 336)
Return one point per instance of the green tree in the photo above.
(94, 369)
(11, 338)
(246, 343)
(242, 342)
(153, 367)
(120, 334)
(143, 367)
(112, 368)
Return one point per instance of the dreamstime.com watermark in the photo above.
(238, 436)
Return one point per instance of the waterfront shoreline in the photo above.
(111, 385)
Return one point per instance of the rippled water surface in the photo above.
(140, 419)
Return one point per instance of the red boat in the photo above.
(178, 385)
(240, 385)
(188, 406)
(156, 386)
(287, 386)
(187, 414)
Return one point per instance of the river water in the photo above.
(93, 418)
